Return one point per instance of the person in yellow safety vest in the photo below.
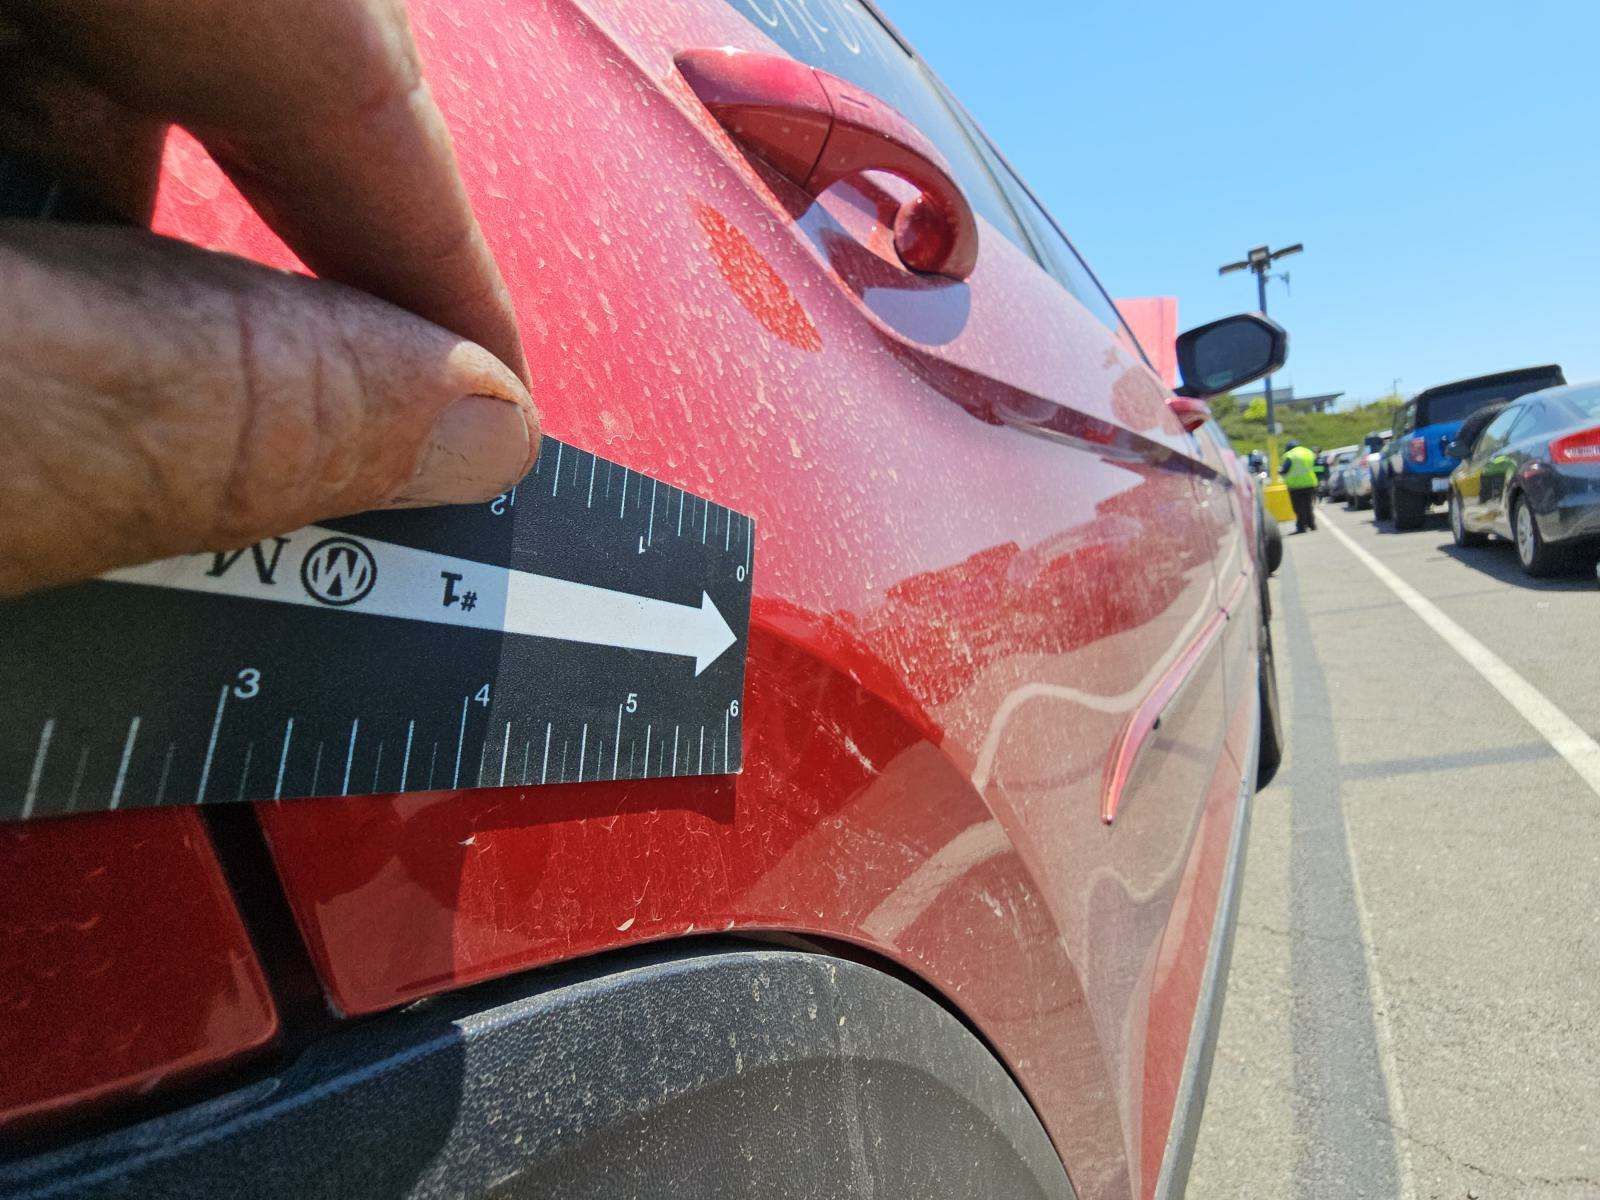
(1299, 471)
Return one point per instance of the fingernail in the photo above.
(478, 448)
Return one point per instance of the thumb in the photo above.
(158, 399)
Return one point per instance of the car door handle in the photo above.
(816, 129)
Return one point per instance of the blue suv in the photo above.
(1414, 472)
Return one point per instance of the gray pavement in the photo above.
(1414, 1004)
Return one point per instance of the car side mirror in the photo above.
(1191, 413)
(1229, 353)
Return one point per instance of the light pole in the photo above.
(1260, 261)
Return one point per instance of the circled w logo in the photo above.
(338, 571)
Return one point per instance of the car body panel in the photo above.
(127, 966)
(988, 559)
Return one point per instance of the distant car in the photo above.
(1532, 476)
(1358, 472)
(1414, 472)
(1357, 479)
(1338, 461)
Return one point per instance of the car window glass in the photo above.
(1496, 433)
(844, 38)
(1576, 406)
(1530, 417)
(1458, 401)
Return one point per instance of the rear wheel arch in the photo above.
(752, 1070)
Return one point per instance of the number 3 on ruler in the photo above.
(249, 685)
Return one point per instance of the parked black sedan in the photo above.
(1533, 476)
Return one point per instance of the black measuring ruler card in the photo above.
(591, 624)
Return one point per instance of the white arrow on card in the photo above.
(319, 568)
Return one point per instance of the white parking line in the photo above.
(1561, 731)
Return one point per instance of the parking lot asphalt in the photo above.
(1414, 1003)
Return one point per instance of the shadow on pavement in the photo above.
(1498, 560)
(1432, 522)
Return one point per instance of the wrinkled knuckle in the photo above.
(303, 446)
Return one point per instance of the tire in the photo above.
(1538, 557)
(1273, 548)
(1269, 757)
(1410, 510)
(1458, 525)
(1380, 504)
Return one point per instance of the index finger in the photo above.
(319, 112)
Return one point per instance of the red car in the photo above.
(959, 927)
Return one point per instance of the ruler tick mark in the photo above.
(483, 754)
(650, 534)
(377, 765)
(122, 767)
(557, 473)
(504, 752)
(594, 462)
(565, 742)
(37, 773)
(700, 768)
(461, 735)
(583, 749)
(646, 752)
(244, 773)
(616, 752)
(433, 761)
(682, 496)
(211, 746)
(405, 762)
(544, 771)
(166, 768)
(675, 749)
(624, 509)
(283, 759)
(77, 779)
(350, 756)
(527, 749)
(727, 720)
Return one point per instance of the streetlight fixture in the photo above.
(1260, 260)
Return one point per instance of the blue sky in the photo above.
(1440, 160)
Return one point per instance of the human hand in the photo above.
(159, 399)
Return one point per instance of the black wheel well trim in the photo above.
(527, 1078)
